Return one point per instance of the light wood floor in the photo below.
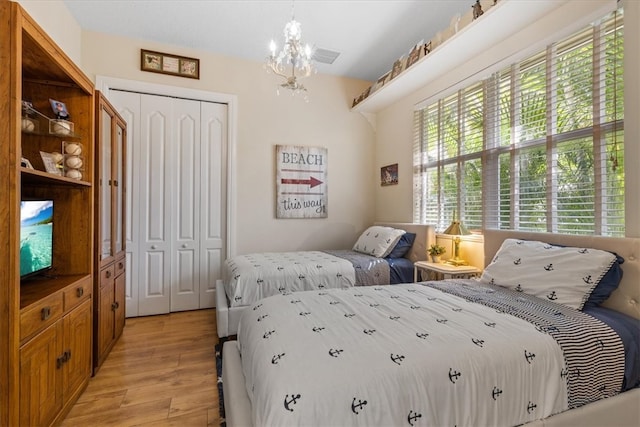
(162, 372)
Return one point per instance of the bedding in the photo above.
(232, 300)
(436, 353)
(251, 277)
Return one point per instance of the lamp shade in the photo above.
(456, 229)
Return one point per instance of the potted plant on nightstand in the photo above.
(435, 251)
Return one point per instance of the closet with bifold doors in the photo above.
(176, 200)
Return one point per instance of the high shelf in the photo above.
(46, 322)
(110, 237)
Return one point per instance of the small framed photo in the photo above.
(389, 175)
(59, 109)
(166, 63)
(50, 164)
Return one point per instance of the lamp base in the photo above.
(456, 262)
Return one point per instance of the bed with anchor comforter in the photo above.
(456, 352)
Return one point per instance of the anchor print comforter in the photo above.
(248, 278)
(441, 353)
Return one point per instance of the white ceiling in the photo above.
(369, 34)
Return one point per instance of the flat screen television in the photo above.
(36, 236)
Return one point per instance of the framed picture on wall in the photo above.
(389, 175)
(166, 63)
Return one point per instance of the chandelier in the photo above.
(293, 62)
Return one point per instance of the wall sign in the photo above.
(301, 182)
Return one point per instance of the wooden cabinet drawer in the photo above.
(39, 315)
(76, 293)
(120, 265)
(107, 275)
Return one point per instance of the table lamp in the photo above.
(456, 229)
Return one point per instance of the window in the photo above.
(537, 146)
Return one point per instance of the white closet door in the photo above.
(176, 203)
(128, 105)
(213, 196)
(155, 167)
(185, 250)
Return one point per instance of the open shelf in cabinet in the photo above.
(38, 177)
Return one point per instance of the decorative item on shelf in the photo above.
(477, 9)
(52, 162)
(435, 251)
(73, 159)
(25, 163)
(29, 122)
(455, 23)
(294, 61)
(415, 54)
(61, 124)
(456, 229)
(60, 127)
(362, 97)
(427, 48)
(398, 67)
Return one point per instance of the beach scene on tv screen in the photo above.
(36, 225)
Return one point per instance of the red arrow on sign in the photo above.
(312, 182)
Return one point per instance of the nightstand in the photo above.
(439, 271)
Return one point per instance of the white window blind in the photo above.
(537, 146)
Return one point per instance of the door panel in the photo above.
(128, 105)
(185, 281)
(213, 198)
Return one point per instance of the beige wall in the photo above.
(394, 139)
(54, 17)
(264, 120)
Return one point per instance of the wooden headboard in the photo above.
(625, 299)
(425, 236)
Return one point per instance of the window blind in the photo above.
(537, 146)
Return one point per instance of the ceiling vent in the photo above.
(325, 56)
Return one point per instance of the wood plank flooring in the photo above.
(161, 372)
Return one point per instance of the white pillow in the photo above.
(565, 275)
(378, 241)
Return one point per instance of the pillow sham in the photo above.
(564, 275)
(403, 246)
(378, 240)
(609, 283)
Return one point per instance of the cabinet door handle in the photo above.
(120, 265)
(154, 247)
(67, 355)
(115, 183)
(79, 292)
(114, 306)
(59, 362)
(117, 303)
(107, 274)
(45, 313)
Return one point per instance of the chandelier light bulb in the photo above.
(272, 48)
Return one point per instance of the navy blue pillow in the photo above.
(607, 284)
(403, 246)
